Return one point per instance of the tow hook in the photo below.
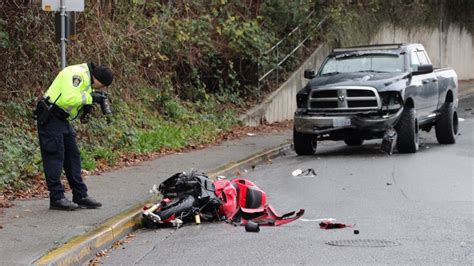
(389, 141)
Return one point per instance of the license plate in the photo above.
(341, 122)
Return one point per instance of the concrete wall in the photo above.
(457, 45)
(457, 52)
(281, 104)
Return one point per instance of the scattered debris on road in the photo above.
(297, 172)
(389, 141)
(195, 197)
(306, 173)
(252, 227)
(331, 225)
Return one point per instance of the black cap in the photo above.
(103, 74)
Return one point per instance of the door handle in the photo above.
(435, 80)
(424, 82)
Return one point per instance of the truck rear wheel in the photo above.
(447, 125)
(305, 144)
(354, 142)
(407, 130)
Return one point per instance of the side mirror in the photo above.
(309, 73)
(423, 69)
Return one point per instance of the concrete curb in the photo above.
(81, 248)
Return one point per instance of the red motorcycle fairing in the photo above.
(243, 201)
(251, 198)
(227, 192)
(239, 195)
(270, 217)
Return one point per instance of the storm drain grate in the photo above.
(364, 243)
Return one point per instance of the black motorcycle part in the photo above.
(183, 209)
(252, 227)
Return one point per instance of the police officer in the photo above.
(71, 95)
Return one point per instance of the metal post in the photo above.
(258, 79)
(440, 42)
(63, 34)
(277, 66)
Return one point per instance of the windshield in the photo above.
(382, 63)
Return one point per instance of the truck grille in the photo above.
(353, 99)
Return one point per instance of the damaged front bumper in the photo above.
(318, 124)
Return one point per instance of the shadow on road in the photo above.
(372, 149)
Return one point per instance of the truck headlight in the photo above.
(302, 100)
(391, 100)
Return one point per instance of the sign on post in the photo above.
(64, 7)
(70, 5)
(70, 33)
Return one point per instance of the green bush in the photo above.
(20, 156)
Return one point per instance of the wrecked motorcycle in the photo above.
(196, 197)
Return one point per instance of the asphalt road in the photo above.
(416, 208)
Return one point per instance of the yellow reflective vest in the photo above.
(71, 89)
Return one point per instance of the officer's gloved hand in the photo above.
(98, 96)
(86, 110)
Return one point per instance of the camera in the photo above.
(105, 107)
(101, 98)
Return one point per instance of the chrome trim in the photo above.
(343, 98)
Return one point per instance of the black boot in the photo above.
(87, 202)
(63, 205)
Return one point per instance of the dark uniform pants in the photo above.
(59, 150)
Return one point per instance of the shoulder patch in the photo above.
(76, 80)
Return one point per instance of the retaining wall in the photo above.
(453, 47)
(457, 51)
(281, 104)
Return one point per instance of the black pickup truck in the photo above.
(364, 92)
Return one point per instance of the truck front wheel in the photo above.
(447, 125)
(407, 130)
(305, 144)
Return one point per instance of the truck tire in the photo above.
(407, 130)
(446, 125)
(305, 144)
(354, 142)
